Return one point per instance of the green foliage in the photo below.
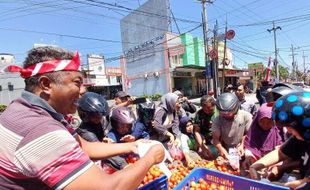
(283, 72)
(154, 97)
(300, 76)
(2, 107)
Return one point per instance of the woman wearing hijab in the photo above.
(166, 121)
(262, 137)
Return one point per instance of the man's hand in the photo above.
(275, 174)
(253, 173)
(240, 149)
(107, 140)
(171, 137)
(248, 161)
(177, 142)
(128, 138)
(223, 152)
(156, 153)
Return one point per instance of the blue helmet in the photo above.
(92, 103)
(293, 110)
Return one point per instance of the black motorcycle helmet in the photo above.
(146, 111)
(92, 103)
(227, 102)
(293, 110)
(282, 89)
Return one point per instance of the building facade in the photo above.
(11, 84)
(146, 64)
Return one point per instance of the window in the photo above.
(10, 86)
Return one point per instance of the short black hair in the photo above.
(45, 53)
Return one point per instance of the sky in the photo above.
(93, 26)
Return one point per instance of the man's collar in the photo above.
(243, 100)
(37, 101)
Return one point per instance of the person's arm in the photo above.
(240, 147)
(286, 167)
(217, 143)
(100, 150)
(87, 135)
(189, 107)
(197, 134)
(175, 125)
(216, 135)
(95, 179)
(296, 183)
(158, 122)
(185, 149)
(126, 103)
(197, 130)
(261, 99)
(269, 159)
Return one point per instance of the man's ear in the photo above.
(45, 84)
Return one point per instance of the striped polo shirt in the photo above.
(37, 151)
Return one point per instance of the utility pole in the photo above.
(304, 61)
(293, 61)
(224, 58)
(215, 61)
(274, 29)
(205, 41)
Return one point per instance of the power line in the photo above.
(283, 20)
(119, 57)
(65, 35)
(127, 9)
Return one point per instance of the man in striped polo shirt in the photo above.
(38, 148)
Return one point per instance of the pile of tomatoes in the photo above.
(153, 173)
(180, 171)
(178, 174)
(202, 184)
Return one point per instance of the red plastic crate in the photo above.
(227, 181)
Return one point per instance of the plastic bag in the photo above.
(175, 152)
(234, 158)
(144, 147)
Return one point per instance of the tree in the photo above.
(300, 76)
(283, 72)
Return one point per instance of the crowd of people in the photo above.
(40, 150)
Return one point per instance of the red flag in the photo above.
(268, 70)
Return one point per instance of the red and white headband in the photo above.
(47, 67)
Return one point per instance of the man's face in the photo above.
(123, 129)
(119, 100)
(240, 92)
(228, 115)
(95, 118)
(208, 108)
(64, 96)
